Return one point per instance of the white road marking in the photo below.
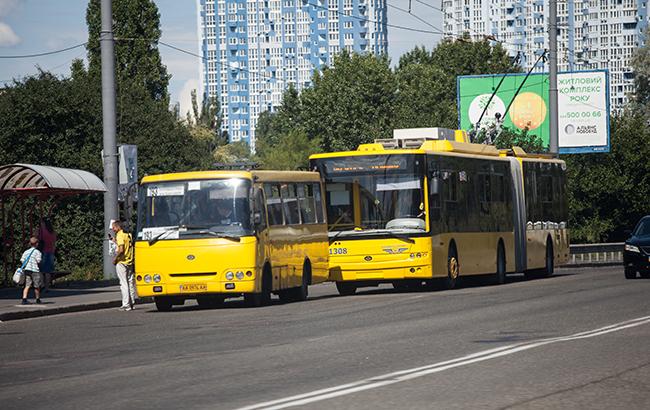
(408, 374)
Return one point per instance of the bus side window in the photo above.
(307, 205)
(290, 203)
(274, 204)
(259, 212)
(320, 217)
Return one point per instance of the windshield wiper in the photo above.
(402, 237)
(160, 236)
(201, 230)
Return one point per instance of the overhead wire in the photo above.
(47, 53)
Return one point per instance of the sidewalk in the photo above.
(62, 298)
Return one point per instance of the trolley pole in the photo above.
(552, 77)
(110, 145)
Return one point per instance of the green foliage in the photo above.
(427, 80)
(609, 192)
(509, 137)
(58, 121)
(136, 28)
(232, 153)
(641, 66)
(350, 103)
(290, 152)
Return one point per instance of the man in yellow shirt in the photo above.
(123, 262)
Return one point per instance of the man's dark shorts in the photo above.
(34, 279)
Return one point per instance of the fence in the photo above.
(596, 253)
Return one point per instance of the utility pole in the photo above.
(552, 77)
(108, 114)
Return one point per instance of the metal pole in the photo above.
(110, 145)
(552, 77)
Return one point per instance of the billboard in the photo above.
(583, 106)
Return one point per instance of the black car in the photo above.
(637, 250)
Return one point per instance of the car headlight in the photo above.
(156, 278)
(230, 275)
(632, 248)
(147, 278)
(240, 275)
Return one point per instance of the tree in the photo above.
(233, 153)
(509, 137)
(351, 102)
(143, 115)
(427, 80)
(290, 152)
(136, 28)
(609, 192)
(641, 67)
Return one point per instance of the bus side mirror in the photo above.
(434, 188)
(257, 219)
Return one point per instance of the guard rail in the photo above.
(596, 253)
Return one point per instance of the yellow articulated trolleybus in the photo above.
(211, 235)
(418, 210)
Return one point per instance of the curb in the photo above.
(593, 265)
(28, 314)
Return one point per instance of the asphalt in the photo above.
(380, 349)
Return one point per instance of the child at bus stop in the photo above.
(33, 276)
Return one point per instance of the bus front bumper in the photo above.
(348, 273)
(193, 289)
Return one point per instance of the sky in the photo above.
(37, 26)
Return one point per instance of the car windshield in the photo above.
(374, 193)
(203, 208)
(643, 229)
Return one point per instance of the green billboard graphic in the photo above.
(583, 106)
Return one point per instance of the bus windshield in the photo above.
(200, 208)
(377, 192)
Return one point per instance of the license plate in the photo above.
(193, 287)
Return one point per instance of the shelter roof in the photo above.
(41, 180)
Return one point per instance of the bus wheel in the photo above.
(550, 259)
(453, 268)
(630, 273)
(346, 288)
(210, 302)
(163, 304)
(264, 297)
(301, 293)
(499, 278)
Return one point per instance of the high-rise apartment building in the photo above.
(592, 34)
(254, 49)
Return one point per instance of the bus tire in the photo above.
(301, 293)
(549, 264)
(630, 273)
(346, 288)
(453, 268)
(499, 277)
(264, 297)
(163, 303)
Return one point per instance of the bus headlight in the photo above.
(229, 275)
(240, 275)
(156, 278)
(147, 278)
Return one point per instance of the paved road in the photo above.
(523, 345)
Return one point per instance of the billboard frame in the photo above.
(588, 149)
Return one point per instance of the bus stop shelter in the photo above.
(46, 186)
